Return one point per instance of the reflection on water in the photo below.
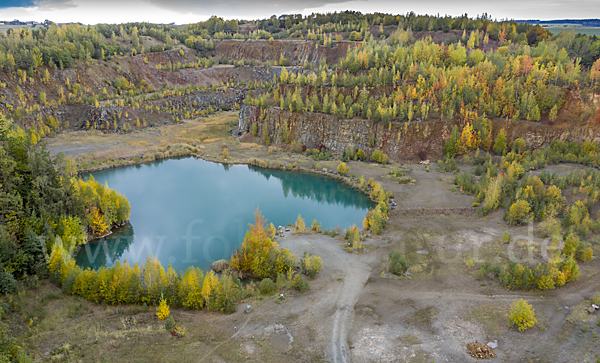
(106, 250)
(315, 187)
(192, 212)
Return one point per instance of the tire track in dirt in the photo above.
(225, 341)
(356, 276)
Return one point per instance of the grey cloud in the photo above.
(51, 5)
(241, 8)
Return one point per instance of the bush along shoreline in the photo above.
(259, 257)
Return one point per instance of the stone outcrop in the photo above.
(296, 51)
(398, 140)
(314, 130)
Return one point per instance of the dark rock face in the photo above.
(336, 134)
(398, 140)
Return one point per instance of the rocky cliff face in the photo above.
(296, 51)
(84, 116)
(400, 141)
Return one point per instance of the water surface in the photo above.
(192, 212)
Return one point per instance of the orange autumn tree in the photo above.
(259, 255)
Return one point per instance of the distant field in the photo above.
(4, 28)
(578, 29)
(556, 25)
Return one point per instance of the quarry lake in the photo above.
(193, 212)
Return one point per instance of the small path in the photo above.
(357, 274)
(433, 212)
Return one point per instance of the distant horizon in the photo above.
(531, 21)
(193, 11)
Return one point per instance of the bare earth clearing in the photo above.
(355, 311)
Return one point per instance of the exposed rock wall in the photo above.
(296, 51)
(399, 140)
(84, 116)
(337, 134)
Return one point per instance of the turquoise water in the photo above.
(192, 212)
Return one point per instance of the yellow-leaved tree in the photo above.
(210, 281)
(522, 315)
(155, 280)
(190, 288)
(259, 256)
(300, 226)
(343, 169)
(162, 311)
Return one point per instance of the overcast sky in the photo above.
(188, 11)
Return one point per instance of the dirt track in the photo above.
(357, 274)
(355, 271)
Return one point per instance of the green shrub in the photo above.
(361, 155)
(315, 266)
(170, 323)
(398, 265)
(343, 169)
(310, 265)
(448, 165)
(355, 36)
(450, 149)
(300, 283)
(266, 286)
(397, 174)
(466, 182)
(500, 143)
(379, 157)
(8, 284)
(282, 281)
(349, 154)
(296, 147)
(319, 155)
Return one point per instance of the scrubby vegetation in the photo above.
(353, 238)
(485, 69)
(376, 218)
(258, 257)
(542, 198)
(397, 263)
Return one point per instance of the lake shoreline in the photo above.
(250, 162)
(350, 185)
